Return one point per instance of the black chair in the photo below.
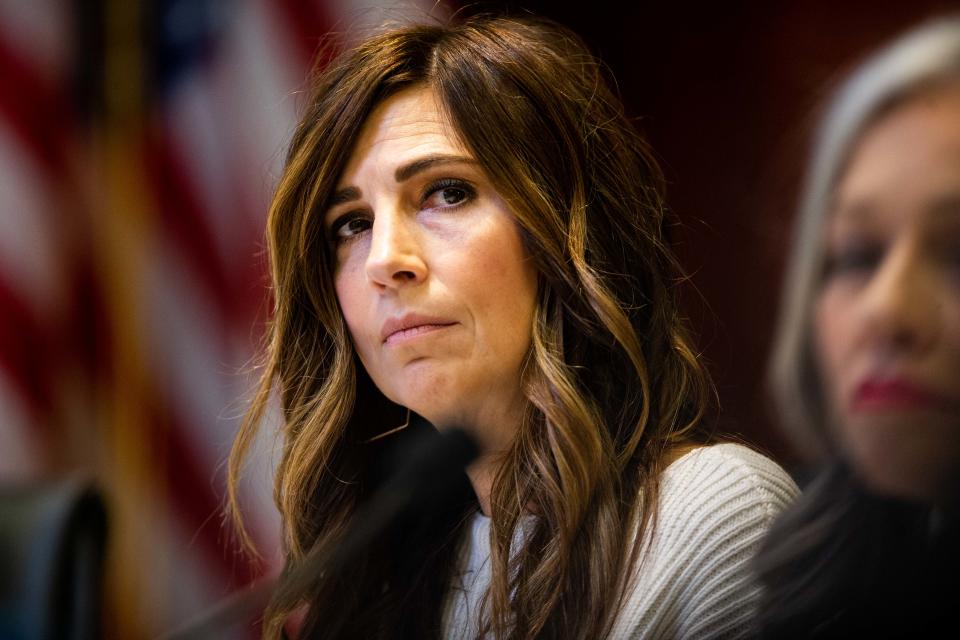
(52, 546)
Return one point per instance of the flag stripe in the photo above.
(36, 110)
(190, 483)
(26, 354)
(182, 219)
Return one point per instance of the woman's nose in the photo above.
(901, 302)
(395, 258)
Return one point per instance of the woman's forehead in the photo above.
(909, 158)
(409, 122)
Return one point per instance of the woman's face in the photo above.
(431, 275)
(887, 320)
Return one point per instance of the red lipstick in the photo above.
(876, 394)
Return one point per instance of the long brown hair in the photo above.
(612, 381)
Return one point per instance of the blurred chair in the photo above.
(52, 546)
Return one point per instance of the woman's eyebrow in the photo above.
(403, 173)
(341, 196)
(852, 210)
(410, 169)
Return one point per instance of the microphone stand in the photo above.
(427, 468)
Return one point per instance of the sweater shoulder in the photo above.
(694, 578)
(725, 475)
(717, 502)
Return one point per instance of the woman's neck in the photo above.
(495, 435)
(482, 472)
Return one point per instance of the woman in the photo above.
(468, 231)
(867, 369)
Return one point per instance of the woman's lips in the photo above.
(410, 327)
(876, 394)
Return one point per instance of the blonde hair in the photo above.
(612, 381)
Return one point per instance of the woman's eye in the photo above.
(947, 249)
(348, 226)
(852, 260)
(447, 193)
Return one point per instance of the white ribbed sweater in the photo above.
(694, 579)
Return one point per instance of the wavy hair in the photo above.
(612, 382)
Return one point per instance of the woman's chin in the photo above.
(440, 415)
(917, 459)
(916, 479)
(432, 397)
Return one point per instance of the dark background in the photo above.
(728, 94)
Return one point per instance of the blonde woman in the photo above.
(867, 366)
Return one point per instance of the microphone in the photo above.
(427, 470)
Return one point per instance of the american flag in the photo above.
(139, 145)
